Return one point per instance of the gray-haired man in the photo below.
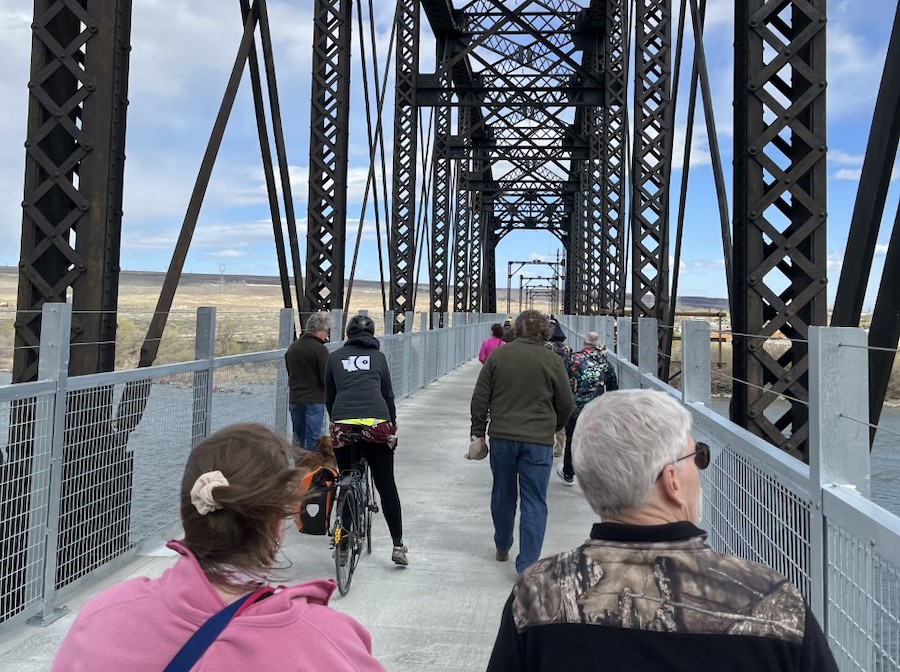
(305, 361)
(646, 592)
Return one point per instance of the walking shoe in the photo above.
(502, 556)
(568, 480)
(398, 555)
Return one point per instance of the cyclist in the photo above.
(359, 398)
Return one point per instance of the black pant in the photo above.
(381, 461)
(568, 469)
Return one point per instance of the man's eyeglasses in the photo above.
(701, 458)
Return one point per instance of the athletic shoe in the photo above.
(502, 556)
(568, 480)
(398, 555)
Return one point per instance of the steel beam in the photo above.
(403, 201)
(779, 212)
(328, 156)
(440, 225)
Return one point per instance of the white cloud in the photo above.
(852, 174)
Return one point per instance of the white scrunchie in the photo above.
(201, 493)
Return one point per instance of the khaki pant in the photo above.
(559, 442)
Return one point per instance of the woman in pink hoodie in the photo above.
(489, 344)
(236, 492)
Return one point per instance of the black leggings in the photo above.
(381, 461)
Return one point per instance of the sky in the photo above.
(182, 54)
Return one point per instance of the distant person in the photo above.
(359, 397)
(509, 333)
(590, 375)
(557, 343)
(237, 491)
(305, 361)
(524, 388)
(645, 592)
(489, 344)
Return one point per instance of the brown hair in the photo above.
(533, 324)
(496, 330)
(262, 489)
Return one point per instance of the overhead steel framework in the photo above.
(530, 111)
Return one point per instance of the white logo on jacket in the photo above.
(356, 363)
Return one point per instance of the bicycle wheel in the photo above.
(345, 539)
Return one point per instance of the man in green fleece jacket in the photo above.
(525, 389)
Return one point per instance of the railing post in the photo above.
(423, 321)
(696, 374)
(648, 347)
(408, 319)
(49, 442)
(838, 438)
(337, 325)
(623, 338)
(204, 349)
(608, 332)
(389, 322)
(285, 338)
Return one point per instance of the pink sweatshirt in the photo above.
(142, 623)
(489, 346)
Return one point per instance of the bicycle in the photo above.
(354, 508)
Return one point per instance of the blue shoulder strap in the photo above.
(201, 640)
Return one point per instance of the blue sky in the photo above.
(182, 53)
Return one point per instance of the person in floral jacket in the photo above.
(590, 375)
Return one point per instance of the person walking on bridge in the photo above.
(305, 362)
(645, 591)
(524, 388)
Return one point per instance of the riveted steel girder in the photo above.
(328, 156)
(403, 201)
(651, 160)
(440, 224)
(779, 212)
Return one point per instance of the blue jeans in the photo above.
(309, 424)
(524, 467)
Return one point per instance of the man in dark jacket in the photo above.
(645, 591)
(305, 362)
(525, 389)
(359, 397)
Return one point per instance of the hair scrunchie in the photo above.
(201, 493)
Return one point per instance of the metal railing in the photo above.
(813, 523)
(91, 465)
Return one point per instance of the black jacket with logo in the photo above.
(647, 598)
(358, 382)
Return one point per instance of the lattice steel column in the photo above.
(403, 202)
(650, 172)
(779, 211)
(489, 278)
(440, 231)
(482, 207)
(612, 147)
(462, 239)
(74, 162)
(328, 154)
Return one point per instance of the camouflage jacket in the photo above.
(590, 375)
(647, 598)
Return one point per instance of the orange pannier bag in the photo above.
(314, 516)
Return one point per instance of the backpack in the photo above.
(317, 487)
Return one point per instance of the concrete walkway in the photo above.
(439, 614)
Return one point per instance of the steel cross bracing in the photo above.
(440, 231)
(779, 212)
(651, 159)
(403, 200)
(329, 135)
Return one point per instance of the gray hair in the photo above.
(533, 324)
(622, 440)
(592, 338)
(318, 322)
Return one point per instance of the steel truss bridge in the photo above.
(545, 114)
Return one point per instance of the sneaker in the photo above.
(568, 480)
(398, 555)
(502, 556)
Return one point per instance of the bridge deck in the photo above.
(442, 612)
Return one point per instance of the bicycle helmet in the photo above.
(359, 324)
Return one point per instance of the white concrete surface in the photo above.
(441, 613)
